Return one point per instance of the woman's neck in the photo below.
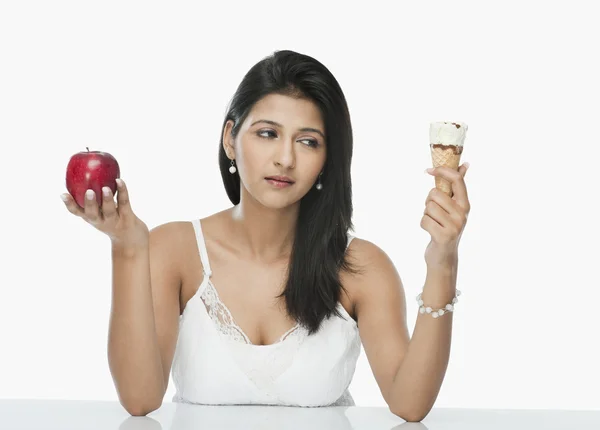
(267, 234)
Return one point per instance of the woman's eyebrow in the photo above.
(267, 121)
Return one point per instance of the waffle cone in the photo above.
(446, 156)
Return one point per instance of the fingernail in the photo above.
(119, 182)
(64, 198)
(429, 170)
(467, 165)
(89, 194)
(106, 191)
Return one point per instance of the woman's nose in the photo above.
(286, 156)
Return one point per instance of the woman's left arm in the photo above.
(410, 372)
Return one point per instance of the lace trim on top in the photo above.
(226, 325)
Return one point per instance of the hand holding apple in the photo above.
(92, 181)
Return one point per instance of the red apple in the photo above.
(91, 169)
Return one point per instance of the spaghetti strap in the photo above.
(202, 247)
(350, 237)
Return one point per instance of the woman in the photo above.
(268, 301)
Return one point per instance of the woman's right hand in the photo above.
(125, 230)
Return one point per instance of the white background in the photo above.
(149, 82)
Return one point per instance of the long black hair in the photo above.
(313, 284)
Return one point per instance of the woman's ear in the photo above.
(228, 140)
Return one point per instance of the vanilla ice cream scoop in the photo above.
(446, 141)
(447, 133)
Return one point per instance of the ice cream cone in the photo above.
(445, 156)
(446, 145)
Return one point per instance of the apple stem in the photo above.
(87, 148)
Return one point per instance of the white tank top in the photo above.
(216, 364)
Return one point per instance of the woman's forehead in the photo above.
(288, 112)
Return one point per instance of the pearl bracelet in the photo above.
(438, 313)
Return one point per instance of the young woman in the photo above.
(268, 301)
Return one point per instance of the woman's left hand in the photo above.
(445, 217)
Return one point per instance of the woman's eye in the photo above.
(262, 132)
(311, 143)
(268, 134)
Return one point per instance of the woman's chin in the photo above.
(277, 202)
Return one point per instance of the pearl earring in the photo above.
(232, 169)
(319, 185)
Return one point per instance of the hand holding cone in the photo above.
(446, 142)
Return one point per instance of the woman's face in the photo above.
(282, 136)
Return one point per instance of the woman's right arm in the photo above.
(144, 320)
(144, 317)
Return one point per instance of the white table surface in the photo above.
(18, 414)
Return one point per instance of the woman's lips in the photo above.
(278, 184)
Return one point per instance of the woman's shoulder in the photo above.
(179, 234)
(364, 251)
(370, 262)
(172, 231)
